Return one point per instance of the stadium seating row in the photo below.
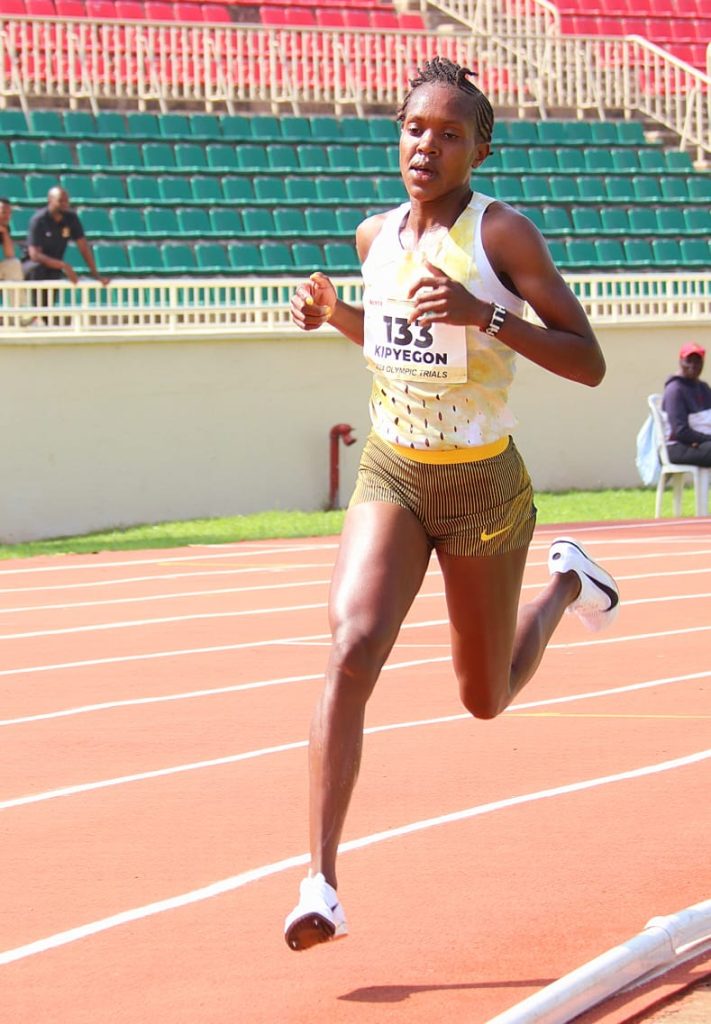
(200, 190)
(308, 158)
(142, 126)
(125, 222)
(659, 30)
(675, 9)
(340, 257)
(344, 17)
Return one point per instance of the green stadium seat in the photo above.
(586, 220)
(296, 129)
(270, 190)
(615, 220)
(301, 190)
(603, 133)
(179, 258)
(289, 221)
(95, 221)
(513, 160)
(79, 124)
(620, 189)
(175, 190)
(591, 188)
(679, 162)
(610, 253)
(110, 188)
(393, 155)
(221, 157)
(26, 155)
(556, 220)
(630, 133)
(695, 252)
(211, 258)
(571, 160)
(174, 126)
(161, 222)
(551, 133)
(282, 157)
(92, 155)
(697, 220)
(277, 257)
(699, 187)
(508, 188)
(347, 220)
(205, 127)
(266, 127)
(361, 190)
(141, 125)
(373, 159)
(598, 160)
(563, 188)
(537, 188)
(355, 129)
(670, 220)
(252, 157)
(652, 160)
(226, 222)
(145, 258)
(189, 156)
(46, 123)
(13, 187)
(331, 190)
(558, 251)
(517, 133)
(321, 221)
(495, 162)
(110, 124)
(126, 156)
(238, 189)
(534, 214)
(312, 158)
(325, 128)
(673, 189)
(206, 189)
(20, 220)
(259, 222)
(383, 129)
(581, 253)
(392, 191)
(667, 252)
(244, 257)
(638, 252)
(143, 189)
(646, 188)
(128, 222)
(543, 159)
(307, 256)
(341, 257)
(80, 188)
(111, 258)
(194, 223)
(13, 122)
(479, 182)
(6, 160)
(236, 127)
(644, 220)
(158, 156)
(38, 185)
(625, 161)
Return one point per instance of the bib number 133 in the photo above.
(400, 332)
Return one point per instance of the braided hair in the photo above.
(442, 71)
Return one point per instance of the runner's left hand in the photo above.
(438, 298)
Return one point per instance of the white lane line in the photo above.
(157, 773)
(279, 610)
(257, 874)
(256, 588)
(316, 637)
(217, 691)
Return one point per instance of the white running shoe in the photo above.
(598, 602)
(317, 917)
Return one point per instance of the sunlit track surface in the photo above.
(154, 709)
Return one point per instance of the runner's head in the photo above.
(446, 130)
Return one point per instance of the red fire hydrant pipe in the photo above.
(343, 432)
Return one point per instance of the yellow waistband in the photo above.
(482, 451)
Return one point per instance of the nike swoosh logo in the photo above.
(614, 598)
(490, 536)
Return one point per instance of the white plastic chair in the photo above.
(676, 471)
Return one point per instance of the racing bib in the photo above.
(423, 351)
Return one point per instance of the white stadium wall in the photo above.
(115, 433)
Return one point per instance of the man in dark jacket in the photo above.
(687, 403)
(48, 235)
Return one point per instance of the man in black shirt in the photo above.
(48, 235)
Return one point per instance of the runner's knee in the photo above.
(483, 701)
(357, 655)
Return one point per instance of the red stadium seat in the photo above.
(158, 11)
(212, 13)
(187, 12)
(386, 20)
(275, 17)
(129, 10)
(40, 8)
(102, 10)
(300, 17)
(70, 8)
(13, 7)
(411, 22)
(356, 19)
(328, 18)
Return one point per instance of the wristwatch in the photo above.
(497, 319)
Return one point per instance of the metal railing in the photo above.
(170, 64)
(159, 308)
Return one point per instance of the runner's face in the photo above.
(438, 143)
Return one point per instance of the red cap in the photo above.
(691, 349)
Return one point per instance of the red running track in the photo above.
(153, 716)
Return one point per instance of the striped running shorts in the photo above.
(478, 507)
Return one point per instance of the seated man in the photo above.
(10, 266)
(687, 403)
(48, 235)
